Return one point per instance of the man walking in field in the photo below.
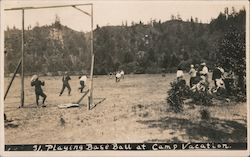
(38, 89)
(192, 74)
(65, 81)
(122, 74)
(83, 80)
(117, 76)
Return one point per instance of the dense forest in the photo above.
(155, 47)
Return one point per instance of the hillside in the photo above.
(140, 48)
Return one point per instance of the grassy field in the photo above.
(135, 110)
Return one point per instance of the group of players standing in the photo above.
(35, 81)
(198, 80)
(118, 75)
(199, 77)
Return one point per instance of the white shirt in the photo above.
(192, 72)
(222, 70)
(179, 73)
(83, 78)
(220, 83)
(204, 70)
(118, 75)
(122, 73)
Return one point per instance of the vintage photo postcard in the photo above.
(124, 78)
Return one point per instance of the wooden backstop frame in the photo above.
(90, 103)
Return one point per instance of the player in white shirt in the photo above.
(179, 74)
(83, 80)
(204, 71)
(122, 74)
(117, 76)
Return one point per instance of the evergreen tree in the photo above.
(232, 54)
(142, 47)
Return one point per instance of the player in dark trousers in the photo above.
(217, 74)
(38, 89)
(65, 81)
(83, 80)
(192, 73)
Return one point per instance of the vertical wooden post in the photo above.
(92, 60)
(22, 68)
(12, 79)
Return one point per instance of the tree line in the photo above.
(155, 47)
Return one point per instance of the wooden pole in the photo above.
(22, 68)
(81, 10)
(46, 7)
(78, 102)
(12, 79)
(92, 60)
(23, 41)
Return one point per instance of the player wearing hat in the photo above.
(38, 89)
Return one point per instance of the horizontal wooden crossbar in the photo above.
(46, 7)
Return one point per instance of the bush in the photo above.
(202, 98)
(179, 90)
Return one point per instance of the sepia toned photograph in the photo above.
(125, 75)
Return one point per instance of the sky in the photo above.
(113, 12)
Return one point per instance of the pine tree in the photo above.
(232, 54)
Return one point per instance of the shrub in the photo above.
(178, 91)
(202, 98)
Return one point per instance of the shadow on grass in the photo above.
(214, 130)
(10, 124)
